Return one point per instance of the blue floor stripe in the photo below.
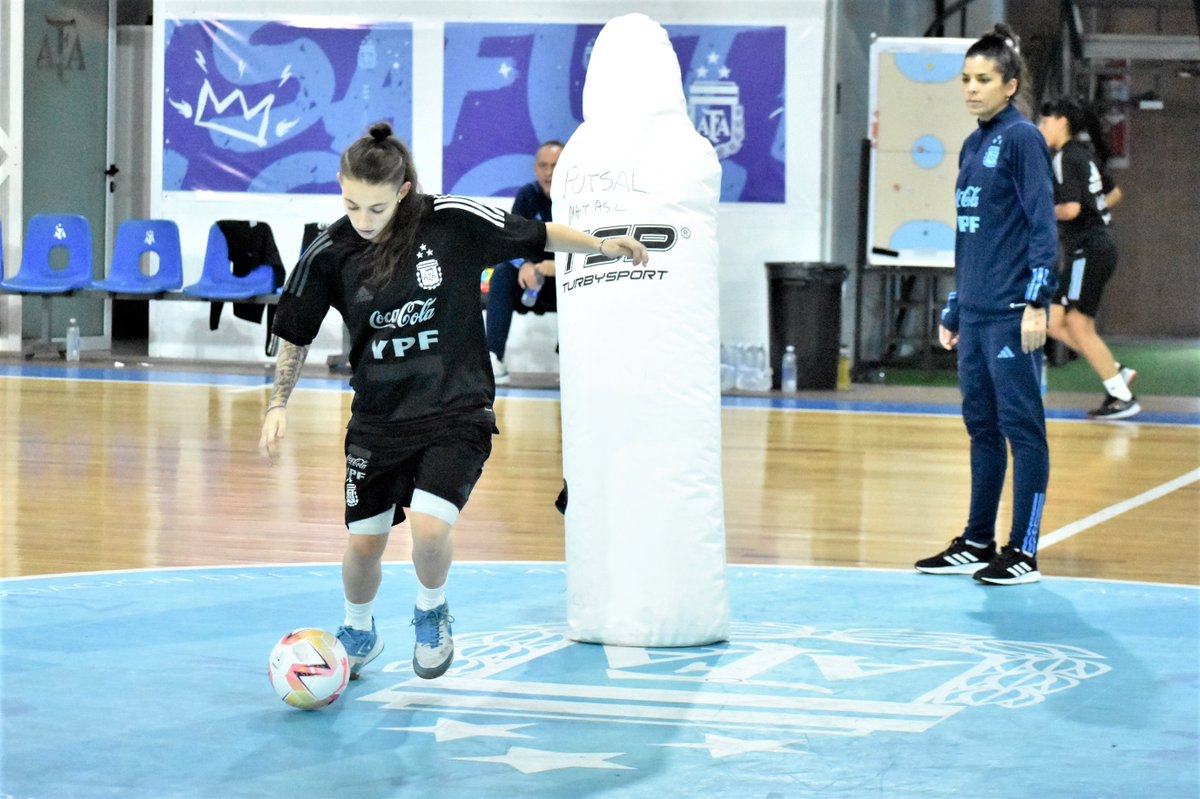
(142, 375)
(113, 374)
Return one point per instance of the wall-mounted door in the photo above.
(66, 124)
(130, 194)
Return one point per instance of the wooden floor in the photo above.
(121, 475)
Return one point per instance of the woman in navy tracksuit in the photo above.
(1005, 257)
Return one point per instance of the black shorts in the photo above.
(444, 458)
(1085, 274)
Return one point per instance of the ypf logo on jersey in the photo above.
(429, 271)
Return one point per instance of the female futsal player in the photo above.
(1091, 256)
(402, 268)
(1006, 252)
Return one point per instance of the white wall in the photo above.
(12, 79)
(750, 235)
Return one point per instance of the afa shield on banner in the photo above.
(718, 115)
(531, 75)
(639, 365)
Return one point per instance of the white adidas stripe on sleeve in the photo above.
(493, 215)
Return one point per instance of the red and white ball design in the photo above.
(309, 668)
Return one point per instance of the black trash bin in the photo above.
(805, 310)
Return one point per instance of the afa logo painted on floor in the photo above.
(833, 683)
(756, 693)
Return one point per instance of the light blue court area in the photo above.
(929, 67)
(922, 234)
(928, 151)
(835, 683)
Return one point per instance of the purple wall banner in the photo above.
(268, 107)
(509, 87)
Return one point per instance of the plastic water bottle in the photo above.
(729, 362)
(743, 377)
(843, 373)
(529, 296)
(787, 369)
(72, 340)
(761, 373)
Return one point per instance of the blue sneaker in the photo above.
(434, 648)
(361, 646)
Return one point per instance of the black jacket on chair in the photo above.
(251, 245)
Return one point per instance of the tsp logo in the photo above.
(657, 238)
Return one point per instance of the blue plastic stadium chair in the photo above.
(217, 281)
(138, 236)
(44, 234)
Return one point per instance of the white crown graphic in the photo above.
(262, 111)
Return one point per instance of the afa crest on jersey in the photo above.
(992, 156)
(429, 271)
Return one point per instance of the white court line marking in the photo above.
(1074, 528)
(248, 389)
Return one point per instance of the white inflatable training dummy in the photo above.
(639, 356)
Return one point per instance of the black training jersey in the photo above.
(1077, 179)
(417, 345)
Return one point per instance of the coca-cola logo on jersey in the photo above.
(411, 313)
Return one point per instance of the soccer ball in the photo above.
(308, 668)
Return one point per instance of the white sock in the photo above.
(430, 598)
(1116, 387)
(358, 616)
(971, 543)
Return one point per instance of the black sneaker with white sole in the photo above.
(1011, 567)
(1113, 408)
(959, 558)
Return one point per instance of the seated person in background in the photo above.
(510, 280)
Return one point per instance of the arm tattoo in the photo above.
(287, 371)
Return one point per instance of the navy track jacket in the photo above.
(1006, 245)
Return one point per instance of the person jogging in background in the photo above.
(1089, 255)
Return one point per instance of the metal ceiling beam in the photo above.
(1140, 47)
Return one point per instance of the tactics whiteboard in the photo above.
(917, 125)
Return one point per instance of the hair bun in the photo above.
(380, 132)
(1008, 35)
